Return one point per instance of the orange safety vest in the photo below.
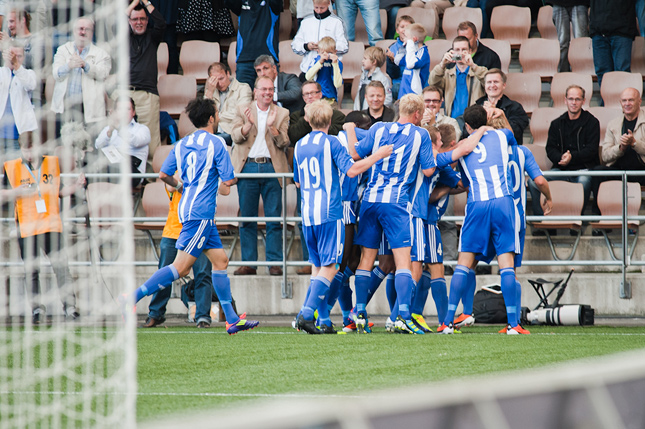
(48, 185)
(173, 227)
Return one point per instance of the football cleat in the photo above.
(443, 329)
(309, 326)
(326, 329)
(294, 323)
(389, 325)
(241, 325)
(124, 305)
(348, 325)
(362, 324)
(421, 323)
(517, 330)
(502, 331)
(406, 326)
(464, 321)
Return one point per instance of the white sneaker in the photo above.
(464, 321)
(389, 325)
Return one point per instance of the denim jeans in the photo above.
(564, 18)
(203, 284)
(250, 191)
(586, 181)
(245, 72)
(611, 53)
(347, 10)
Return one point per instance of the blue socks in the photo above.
(334, 290)
(161, 279)
(222, 286)
(469, 294)
(458, 286)
(376, 278)
(404, 284)
(440, 296)
(518, 299)
(509, 291)
(362, 283)
(390, 291)
(318, 293)
(421, 294)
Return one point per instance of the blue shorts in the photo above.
(434, 251)
(197, 235)
(384, 247)
(489, 228)
(391, 219)
(419, 240)
(325, 242)
(349, 216)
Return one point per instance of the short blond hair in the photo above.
(322, 1)
(376, 55)
(416, 30)
(327, 44)
(319, 114)
(410, 104)
(497, 123)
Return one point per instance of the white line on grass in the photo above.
(203, 394)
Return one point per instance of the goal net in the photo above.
(67, 356)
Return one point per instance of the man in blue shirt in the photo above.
(202, 161)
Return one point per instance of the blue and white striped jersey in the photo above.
(449, 177)
(202, 160)
(486, 167)
(521, 160)
(415, 68)
(392, 177)
(317, 160)
(349, 185)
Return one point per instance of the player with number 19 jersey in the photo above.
(202, 160)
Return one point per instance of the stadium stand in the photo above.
(638, 56)
(285, 25)
(540, 56)
(581, 56)
(352, 61)
(539, 153)
(195, 57)
(453, 16)
(604, 115)
(175, 91)
(436, 49)
(184, 126)
(501, 48)
(525, 88)
(160, 155)
(541, 121)
(162, 59)
(231, 58)
(545, 24)
(613, 83)
(561, 82)
(426, 17)
(289, 60)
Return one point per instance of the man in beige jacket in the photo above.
(229, 94)
(260, 140)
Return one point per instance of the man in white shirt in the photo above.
(135, 146)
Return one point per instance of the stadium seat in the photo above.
(289, 60)
(162, 59)
(501, 48)
(355, 83)
(228, 206)
(184, 126)
(568, 200)
(540, 56)
(360, 32)
(525, 88)
(426, 17)
(352, 61)
(545, 24)
(437, 48)
(511, 23)
(231, 58)
(285, 25)
(613, 83)
(539, 153)
(155, 203)
(638, 56)
(195, 56)
(581, 56)
(541, 121)
(175, 91)
(453, 16)
(561, 82)
(160, 155)
(105, 200)
(610, 203)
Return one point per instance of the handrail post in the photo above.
(286, 286)
(625, 285)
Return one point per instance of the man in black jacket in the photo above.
(572, 144)
(482, 55)
(499, 105)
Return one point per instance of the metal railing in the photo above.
(625, 262)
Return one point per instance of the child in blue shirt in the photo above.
(416, 61)
(327, 69)
(394, 70)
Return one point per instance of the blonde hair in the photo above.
(410, 104)
(416, 30)
(327, 44)
(376, 55)
(319, 114)
(497, 123)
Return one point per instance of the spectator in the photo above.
(327, 69)
(567, 15)
(135, 145)
(439, 7)
(19, 26)
(144, 43)
(228, 94)
(463, 84)
(16, 85)
(33, 182)
(260, 136)
(313, 28)
(499, 105)
(482, 54)
(373, 60)
(415, 59)
(377, 110)
(612, 26)
(299, 127)
(169, 9)
(286, 86)
(347, 9)
(204, 20)
(624, 145)
(395, 71)
(433, 98)
(80, 69)
(572, 145)
(258, 21)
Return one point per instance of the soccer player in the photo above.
(202, 160)
(489, 227)
(385, 201)
(317, 160)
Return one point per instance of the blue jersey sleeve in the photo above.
(170, 164)
(342, 159)
(509, 136)
(296, 170)
(448, 176)
(365, 145)
(425, 153)
(223, 163)
(530, 165)
(444, 159)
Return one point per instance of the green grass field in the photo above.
(182, 369)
